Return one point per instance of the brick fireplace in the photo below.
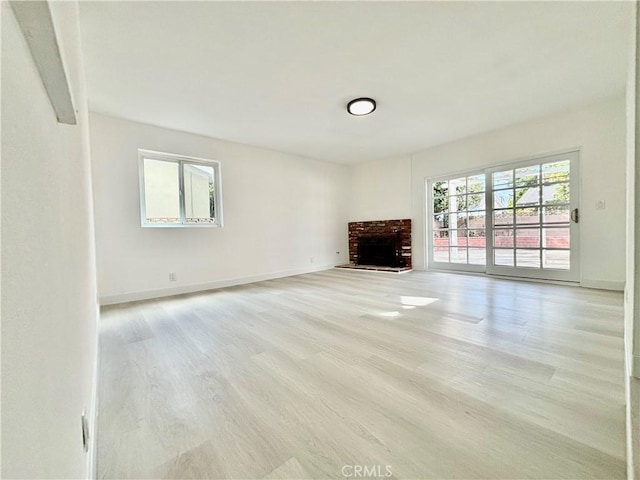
(380, 243)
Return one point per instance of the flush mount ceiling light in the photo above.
(361, 106)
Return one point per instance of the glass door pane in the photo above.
(457, 209)
(532, 234)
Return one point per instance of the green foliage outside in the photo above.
(555, 172)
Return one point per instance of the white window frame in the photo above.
(180, 160)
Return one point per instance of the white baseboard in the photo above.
(618, 286)
(167, 292)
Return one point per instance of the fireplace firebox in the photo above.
(380, 250)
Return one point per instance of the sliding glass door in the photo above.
(534, 218)
(517, 220)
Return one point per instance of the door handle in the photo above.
(575, 215)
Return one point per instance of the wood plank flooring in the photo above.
(420, 375)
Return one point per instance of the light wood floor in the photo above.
(434, 375)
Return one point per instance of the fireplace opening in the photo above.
(380, 250)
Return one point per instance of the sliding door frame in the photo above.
(572, 275)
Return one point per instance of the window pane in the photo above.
(476, 219)
(440, 204)
(458, 238)
(458, 255)
(459, 220)
(475, 202)
(503, 237)
(161, 192)
(503, 179)
(477, 256)
(558, 193)
(440, 234)
(555, 171)
(528, 176)
(503, 199)
(528, 237)
(441, 254)
(503, 257)
(477, 238)
(527, 196)
(440, 189)
(556, 214)
(441, 220)
(503, 217)
(475, 184)
(198, 193)
(556, 259)
(556, 237)
(528, 258)
(458, 186)
(441, 244)
(458, 203)
(527, 215)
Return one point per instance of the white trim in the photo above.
(199, 287)
(39, 32)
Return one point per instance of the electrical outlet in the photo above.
(601, 205)
(311, 259)
(173, 276)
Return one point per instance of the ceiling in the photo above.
(279, 75)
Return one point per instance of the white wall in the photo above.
(279, 211)
(381, 190)
(49, 308)
(598, 129)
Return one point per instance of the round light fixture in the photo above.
(361, 106)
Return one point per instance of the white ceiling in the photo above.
(279, 75)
